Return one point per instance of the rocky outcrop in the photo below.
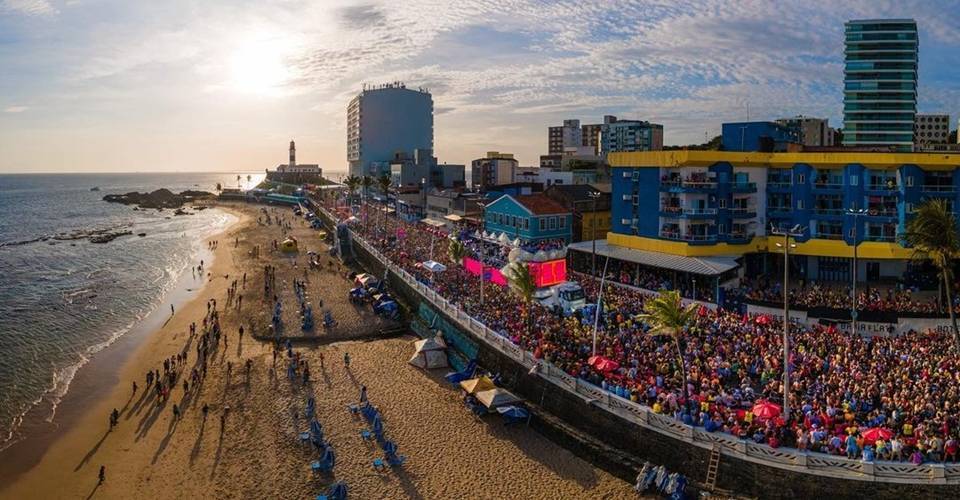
(161, 198)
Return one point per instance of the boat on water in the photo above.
(95, 188)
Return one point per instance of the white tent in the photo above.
(496, 397)
(429, 353)
(516, 242)
(504, 239)
(434, 266)
(431, 344)
(429, 359)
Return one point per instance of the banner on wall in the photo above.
(548, 273)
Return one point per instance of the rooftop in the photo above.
(681, 158)
(539, 204)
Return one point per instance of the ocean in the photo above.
(61, 302)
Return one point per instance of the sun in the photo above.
(258, 66)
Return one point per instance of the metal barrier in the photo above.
(782, 458)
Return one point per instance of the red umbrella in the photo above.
(763, 320)
(766, 410)
(872, 434)
(602, 364)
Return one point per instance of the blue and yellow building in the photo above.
(719, 205)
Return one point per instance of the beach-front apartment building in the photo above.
(531, 218)
(385, 120)
(704, 204)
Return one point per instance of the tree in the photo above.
(366, 181)
(932, 233)
(384, 182)
(238, 182)
(667, 315)
(522, 283)
(219, 187)
(352, 182)
(457, 251)
(248, 179)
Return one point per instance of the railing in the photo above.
(689, 211)
(782, 208)
(828, 236)
(882, 187)
(743, 186)
(779, 184)
(794, 460)
(881, 237)
(699, 184)
(828, 211)
(940, 188)
(827, 185)
(743, 210)
(688, 237)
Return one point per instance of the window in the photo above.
(526, 223)
(553, 223)
(722, 228)
(852, 232)
(799, 204)
(854, 180)
(625, 221)
(723, 203)
(513, 221)
(626, 174)
(543, 223)
(909, 208)
(563, 222)
(909, 181)
(801, 178)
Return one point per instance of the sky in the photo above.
(177, 85)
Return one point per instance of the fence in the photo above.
(782, 458)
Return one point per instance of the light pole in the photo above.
(483, 220)
(856, 214)
(596, 313)
(797, 231)
(594, 195)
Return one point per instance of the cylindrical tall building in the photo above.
(384, 120)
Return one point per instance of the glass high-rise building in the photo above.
(880, 83)
(385, 121)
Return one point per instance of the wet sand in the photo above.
(256, 453)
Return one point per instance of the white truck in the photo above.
(568, 296)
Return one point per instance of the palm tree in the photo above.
(457, 251)
(524, 285)
(384, 182)
(667, 315)
(932, 234)
(238, 182)
(366, 181)
(352, 182)
(248, 179)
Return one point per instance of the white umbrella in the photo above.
(430, 344)
(540, 256)
(514, 255)
(429, 359)
(504, 238)
(516, 242)
(496, 397)
(476, 234)
(434, 266)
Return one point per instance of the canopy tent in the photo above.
(710, 266)
(430, 344)
(766, 410)
(496, 397)
(435, 223)
(429, 359)
(434, 266)
(602, 364)
(453, 217)
(366, 280)
(476, 385)
(289, 245)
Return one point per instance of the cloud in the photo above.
(15, 109)
(28, 7)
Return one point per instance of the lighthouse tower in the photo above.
(293, 154)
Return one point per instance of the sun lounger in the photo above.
(378, 464)
(365, 434)
(304, 437)
(396, 460)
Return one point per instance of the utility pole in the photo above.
(483, 220)
(796, 232)
(856, 214)
(594, 195)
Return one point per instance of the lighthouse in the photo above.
(293, 154)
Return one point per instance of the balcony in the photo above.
(938, 188)
(885, 238)
(885, 186)
(680, 212)
(834, 212)
(882, 212)
(689, 237)
(778, 211)
(743, 187)
(778, 185)
(828, 184)
(828, 235)
(743, 212)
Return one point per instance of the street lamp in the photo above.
(483, 220)
(856, 214)
(594, 195)
(596, 313)
(795, 232)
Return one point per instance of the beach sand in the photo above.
(256, 454)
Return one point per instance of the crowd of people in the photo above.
(887, 299)
(841, 383)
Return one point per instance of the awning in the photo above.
(709, 266)
(434, 266)
(453, 218)
(431, 222)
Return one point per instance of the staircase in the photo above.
(714, 468)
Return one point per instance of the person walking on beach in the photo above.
(171, 309)
(102, 476)
(134, 386)
(205, 410)
(241, 329)
(346, 360)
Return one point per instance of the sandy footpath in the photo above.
(256, 454)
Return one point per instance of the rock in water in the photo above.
(159, 199)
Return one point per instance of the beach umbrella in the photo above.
(513, 412)
(316, 429)
(602, 364)
(872, 434)
(766, 410)
(476, 385)
(496, 397)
